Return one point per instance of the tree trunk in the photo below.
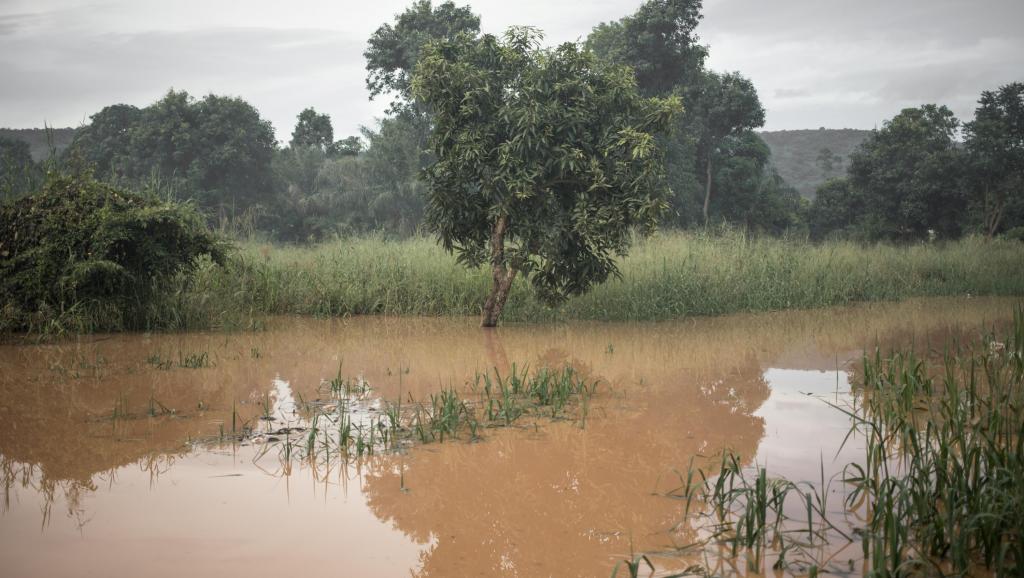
(707, 191)
(993, 213)
(501, 274)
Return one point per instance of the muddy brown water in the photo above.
(88, 495)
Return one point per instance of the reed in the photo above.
(940, 484)
(670, 275)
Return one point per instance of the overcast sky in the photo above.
(832, 63)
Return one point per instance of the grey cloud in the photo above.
(783, 93)
(815, 62)
(69, 77)
(12, 23)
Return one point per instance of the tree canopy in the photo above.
(393, 49)
(313, 130)
(216, 150)
(725, 105)
(659, 41)
(18, 172)
(908, 175)
(995, 144)
(547, 160)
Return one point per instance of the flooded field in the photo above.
(170, 455)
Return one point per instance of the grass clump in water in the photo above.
(940, 487)
(943, 474)
(351, 423)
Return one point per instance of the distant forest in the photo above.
(922, 175)
(807, 158)
(40, 140)
(797, 155)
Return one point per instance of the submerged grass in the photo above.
(670, 275)
(939, 490)
(348, 422)
(943, 474)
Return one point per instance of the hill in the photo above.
(796, 153)
(38, 141)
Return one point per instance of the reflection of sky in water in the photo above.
(801, 431)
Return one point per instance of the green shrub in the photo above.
(85, 256)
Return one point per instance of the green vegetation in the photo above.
(912, 180)
(216, 151)
(85, 256)
(333, 430)
(904, 180)
(716, 164)
(19, 174)
(667, 276)
(943, 470)
(939, 488)
(546, 161)
(533, 175)
(806, 159)
(995, 159)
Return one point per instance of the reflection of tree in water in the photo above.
(30, 478)
(34, 479)
(57, 448)
(742, 386)
(555, 495)
(534, 499)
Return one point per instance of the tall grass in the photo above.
(943, 473)
(940, 486)
(670, 275)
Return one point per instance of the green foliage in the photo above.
(726, 105)
(995, 145)
(324, 194)
(82, 245)
(106, 142)
(943, 474)
(904, 183)
(216, 151)
(397, 154)
(393, 50)
(908, 175)
(835, 210)
(659, 41)
(18, 172)
(668, 276)
(313, 130)
(346, 147)
(754, 195)
(550, 152)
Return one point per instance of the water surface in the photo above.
(108, 467)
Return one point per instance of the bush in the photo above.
(85, 256)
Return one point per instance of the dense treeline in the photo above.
(914, 180)
(922, 175)
(220, 153)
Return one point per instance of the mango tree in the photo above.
(546, 161)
